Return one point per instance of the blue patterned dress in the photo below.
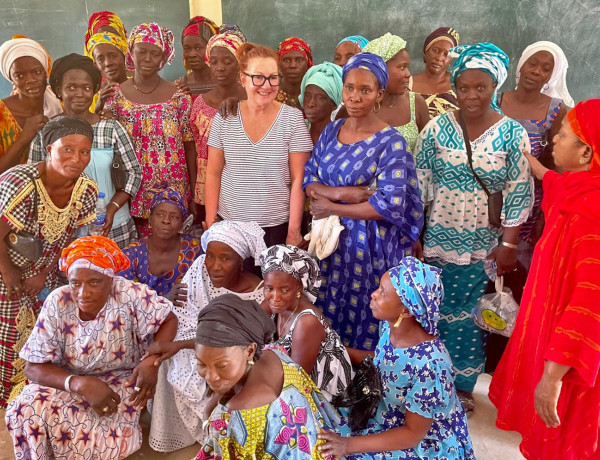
(418, 379)
(458, 237)
(367, 248)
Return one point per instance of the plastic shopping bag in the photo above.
(497, 312)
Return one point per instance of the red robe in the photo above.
(559, 320)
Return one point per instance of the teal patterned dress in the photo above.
(458, 237)
(367, 248)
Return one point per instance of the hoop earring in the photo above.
(378, 107)
(546, 86)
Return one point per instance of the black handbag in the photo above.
(117, 173)
(495, 200)
(362, 395)
(24, 243)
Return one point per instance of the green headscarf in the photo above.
(386, 46)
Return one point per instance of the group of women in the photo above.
(420, 190)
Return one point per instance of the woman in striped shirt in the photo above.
(256, 158)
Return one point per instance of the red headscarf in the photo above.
(584, 119)
(103, 19)
(295, 44)
(201, 27)
(97, 252)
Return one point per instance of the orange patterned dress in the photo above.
(9, 129)
(559, 321)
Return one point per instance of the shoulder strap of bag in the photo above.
(463, 126)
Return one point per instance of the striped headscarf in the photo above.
(104, 19)
(420, 289)
(96, 253)
(486, 57)
(441, 34)
(295, 44)
(371, 62)
(358, 40)
(386, 46)
(584, 119)
(199, 26)
(155, 34)
(229, 41)
(326, 76)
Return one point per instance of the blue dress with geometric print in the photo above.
(367, 248)
(418, 379)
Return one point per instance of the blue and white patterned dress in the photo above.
(367, 248)
(418, 379)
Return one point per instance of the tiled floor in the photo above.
(490, 443)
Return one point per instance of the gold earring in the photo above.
(299, 295)
(251, 362)
(378, 107)
(399, 320)
(582, 161)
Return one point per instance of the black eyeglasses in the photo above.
(259, 80)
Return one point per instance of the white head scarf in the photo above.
(557, 85)
(245, 238)
(13, 49)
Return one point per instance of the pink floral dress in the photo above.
(201, 117)
(158, 132)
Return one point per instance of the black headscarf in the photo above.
(74, 61)
(229, 321)
(59, 127)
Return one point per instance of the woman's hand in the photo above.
(32, 125)
(417, 251)
(161, 351)
(98, 394)
(182, 86)
(143, 379)
(178, 294)
(11, 276)
(506, 259)
(320, 206)
(537, 168)
(108, 220)
(356, 195)
(229, 107)
(106, 93)
(546, 400)
(32, 286)
(295, 239)
(335, 446)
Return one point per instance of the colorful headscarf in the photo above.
(295, 44)
(172, 196)
(103, 19)
(245, 238)
(63, 126)
(74, 61)
(441, 33)
(155, 34)
(420, 289)
(199, 26)
(107, 38)
(21, 46)
(386, 46)
(371, 62)
(229, 41)
(486, 57)
(96, 253)
(326, 76)
(295, 262)
(557, 85)
(358, 40)
(584, 119)
(233, 30)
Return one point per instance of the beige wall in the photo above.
(209, 8)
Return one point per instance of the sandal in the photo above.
(468, 402)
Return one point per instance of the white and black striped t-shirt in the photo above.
(256, 180)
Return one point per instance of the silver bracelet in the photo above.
(68, 383)
(509, 245)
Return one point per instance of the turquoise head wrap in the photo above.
(420, 289)
(486, 57)
(326, 76)
(358, 40)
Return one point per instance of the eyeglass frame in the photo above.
(265, 79)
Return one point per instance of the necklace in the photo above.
(280, 331)
(145, 92)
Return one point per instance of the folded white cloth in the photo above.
(324, 236)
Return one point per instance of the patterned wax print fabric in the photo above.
(178, 403)
(332, 371)
(139, 270)
(158, 132)
(538, 132)
(367, 248)
(558, 321)
(457, 229)
(200, 120)
(410, 130)
(21, 188)
(110, 139)
(418, 379)
(284, 428)
(9, 130)
(48, 423)
(439, 103)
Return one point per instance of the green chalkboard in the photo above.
(510, 24)
(60, 24)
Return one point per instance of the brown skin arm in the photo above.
(405, 437)
(356, 355)
(348, 194)
(421, 112)
(322, 207)
(12, 156)
(306, 341)
(120, 197)
(190, 160)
